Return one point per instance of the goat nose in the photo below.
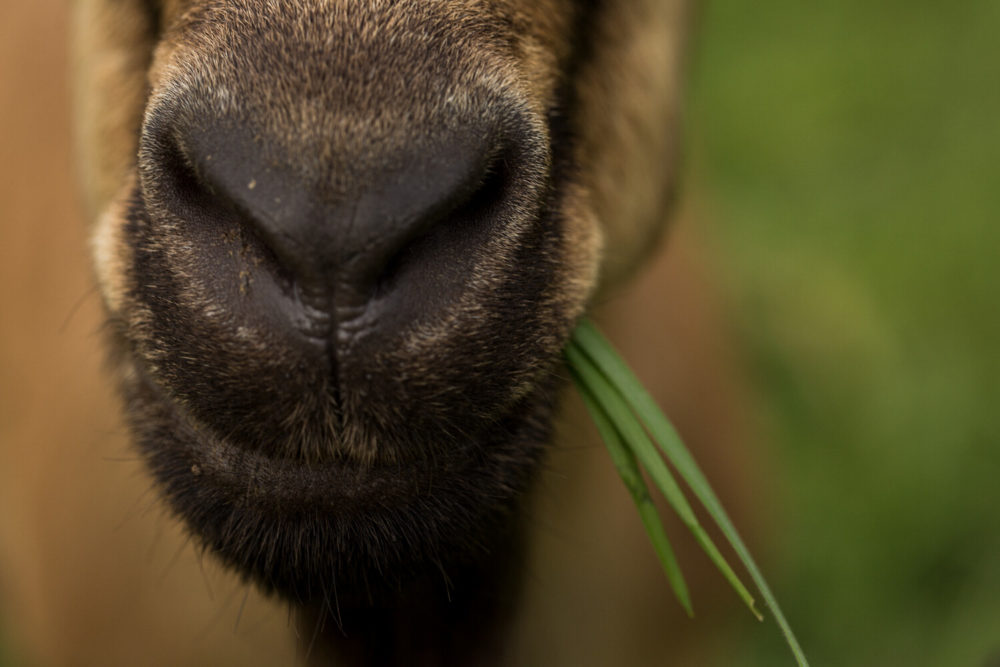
(343, 225)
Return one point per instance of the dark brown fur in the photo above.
(591, 83)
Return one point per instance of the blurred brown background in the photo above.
(75, 512)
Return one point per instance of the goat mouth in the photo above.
(306, 529)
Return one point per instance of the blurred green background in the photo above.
(845, 156)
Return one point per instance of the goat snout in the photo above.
(366, 237)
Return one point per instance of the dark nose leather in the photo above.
(347, 228)
(342, 228)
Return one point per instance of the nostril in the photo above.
(449, 233)
(178, 185)
(170, 180)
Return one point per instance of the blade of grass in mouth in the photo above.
(595, 363)
(628, 469)
(632, 433)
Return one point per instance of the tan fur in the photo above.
(631, 141)
(92, 572)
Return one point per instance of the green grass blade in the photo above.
(628, 470)
(600, 351)
(636, 439)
